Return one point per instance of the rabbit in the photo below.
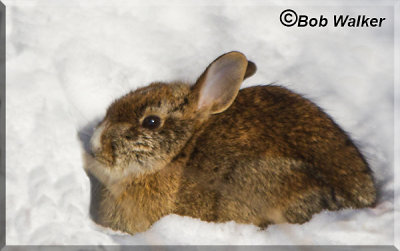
(260, 155)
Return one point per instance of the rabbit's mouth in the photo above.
(120, 154)
(133, 164)
(103, 159)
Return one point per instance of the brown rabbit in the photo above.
(261, 155)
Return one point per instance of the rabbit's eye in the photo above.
(151, 122)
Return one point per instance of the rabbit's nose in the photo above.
(107, 141)
(95, 141)
(112, 137)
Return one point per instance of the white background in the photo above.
(66, 62)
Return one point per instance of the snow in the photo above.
(67, 61)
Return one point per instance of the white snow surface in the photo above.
(68, 60)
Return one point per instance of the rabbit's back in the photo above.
(273, 156)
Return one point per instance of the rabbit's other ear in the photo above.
(251, 69)
(216, 89)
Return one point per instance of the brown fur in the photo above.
(271, 157)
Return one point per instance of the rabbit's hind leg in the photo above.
(305, 206)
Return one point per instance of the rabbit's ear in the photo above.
(216, 89)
